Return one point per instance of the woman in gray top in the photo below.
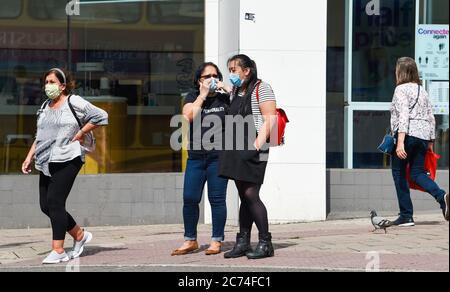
(413, 122)
(59, 153)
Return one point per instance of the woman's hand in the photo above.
(79, 137)
(431, 146)
(256, 145)
(204, 89)
(221, 85)
(26, 166)
(401, 152)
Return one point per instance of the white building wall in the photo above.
(287, 40)
(222, 41)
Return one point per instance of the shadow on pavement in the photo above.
(18, 244)
(428, 223)
(93, 250)
(227, 246)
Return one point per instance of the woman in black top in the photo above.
(208, 103)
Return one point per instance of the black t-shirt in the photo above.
(213, 109)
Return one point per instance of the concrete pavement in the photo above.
(345, 245)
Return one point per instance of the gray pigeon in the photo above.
(379, 222)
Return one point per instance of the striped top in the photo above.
(57, 127)
(265, 94)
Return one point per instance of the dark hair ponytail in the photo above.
(245, 62)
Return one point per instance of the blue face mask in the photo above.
(235, 80)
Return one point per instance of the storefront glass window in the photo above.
(335, 83)
(437, 12)
(98, 12)
(10, 8)
(378, 41)
(369, 126)
(138, 71)
(176, 12)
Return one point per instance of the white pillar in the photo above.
(222, 42)
(288, 42)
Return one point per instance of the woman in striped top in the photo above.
(59, 154)
(247, 165)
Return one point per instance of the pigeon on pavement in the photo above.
(379, 222)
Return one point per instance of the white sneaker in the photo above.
(78, 246)
(56, 258)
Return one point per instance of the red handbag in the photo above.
(431, 160)
(282, 120)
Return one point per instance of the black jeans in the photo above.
(54, 191)
(416, 149)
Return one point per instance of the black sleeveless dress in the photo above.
(247, 165)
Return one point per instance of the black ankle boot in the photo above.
(241, 248)
(264, 249)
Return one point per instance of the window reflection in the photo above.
(378, 41)
(10, 8)
(136, 70)
(176, 12)
(369, 126)
(108, 13)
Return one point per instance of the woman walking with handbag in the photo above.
(59, 153)
(413, 120)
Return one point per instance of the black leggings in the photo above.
(252, 208)
(54, 191)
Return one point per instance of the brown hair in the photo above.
(407, 72)
(65, 79)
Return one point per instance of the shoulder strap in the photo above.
(258, 84)
(73, 112)
(44, 105)
(411, 109)
(417, 101)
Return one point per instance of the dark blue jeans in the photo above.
(202, 168)
(416, 149)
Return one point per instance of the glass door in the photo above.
(377, 34)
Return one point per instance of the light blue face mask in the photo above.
(235, 80)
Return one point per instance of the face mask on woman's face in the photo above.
(235, 79)
(52, 91)
(213, 85)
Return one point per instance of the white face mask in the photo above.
(52, 91)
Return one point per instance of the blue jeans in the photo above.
(416, 149)
(202, 168)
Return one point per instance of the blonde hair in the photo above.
(407, 72)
